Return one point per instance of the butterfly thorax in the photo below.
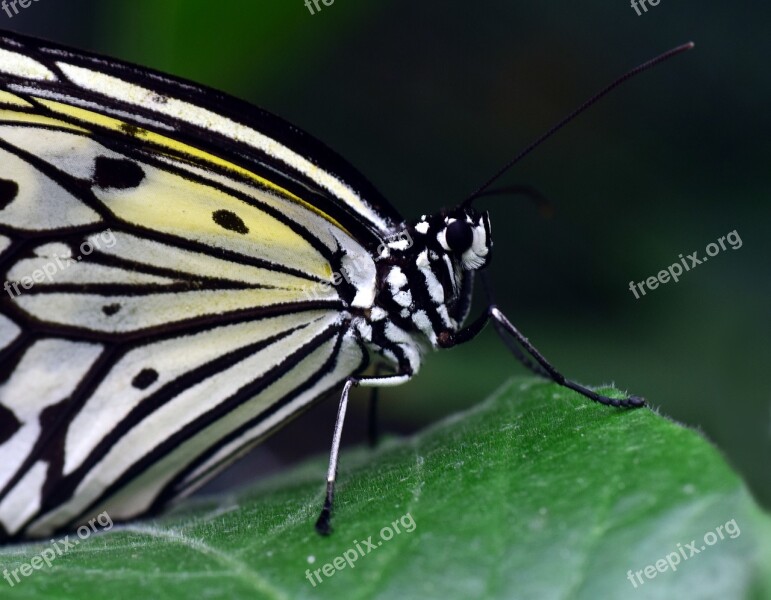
(424, 284)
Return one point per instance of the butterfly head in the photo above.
(432, 261)
(464, 234)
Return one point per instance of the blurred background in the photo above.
(429, 98)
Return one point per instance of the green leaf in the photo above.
(535, 493)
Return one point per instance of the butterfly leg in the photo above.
(506, 330)
(323, 524)
(531, 357)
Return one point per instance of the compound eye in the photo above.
(459, 236)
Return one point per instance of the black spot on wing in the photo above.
(9, 424)
(229, 220)
(117, 173)
(110, 309)
(132, 130)
(8, 191)
(145, 378)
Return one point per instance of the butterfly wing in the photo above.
(205, 118)
(165, 265)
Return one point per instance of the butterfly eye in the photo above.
(459, 236)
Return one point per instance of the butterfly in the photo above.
(183, 274)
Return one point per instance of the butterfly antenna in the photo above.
(601, 94)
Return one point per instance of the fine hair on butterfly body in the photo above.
(252, 271)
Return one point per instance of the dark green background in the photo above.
(429, 98)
